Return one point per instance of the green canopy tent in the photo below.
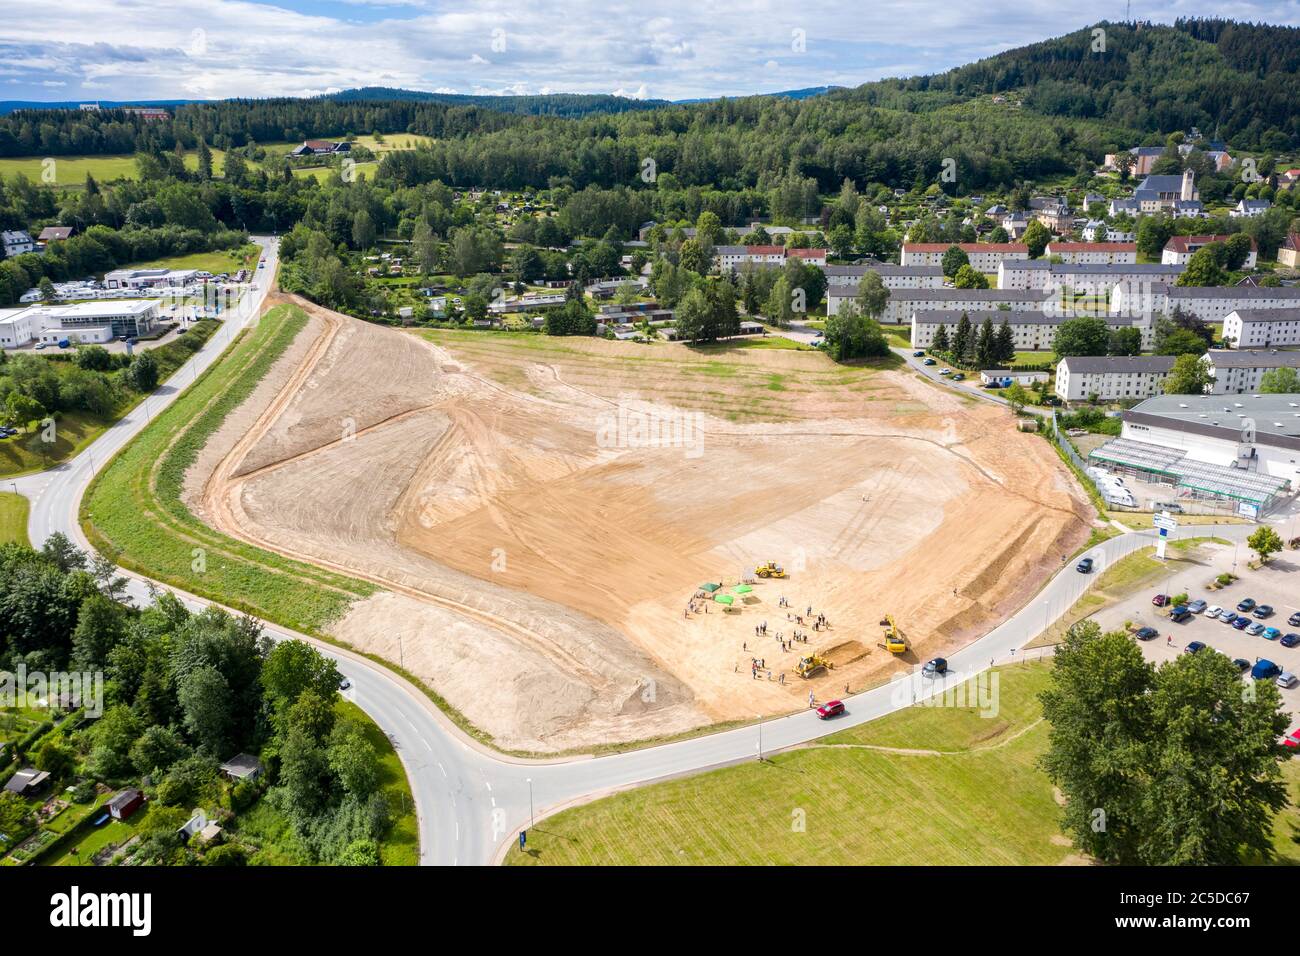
(741, 589)
(710, 587)
(726, 599)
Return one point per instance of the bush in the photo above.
(1225, 579)
(83, 791)
(1180, 598)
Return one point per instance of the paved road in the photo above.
(471, 801)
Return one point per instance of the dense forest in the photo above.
(1234, 81)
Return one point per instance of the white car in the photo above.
(945, 371)
(1213, 611)
(1286, 679)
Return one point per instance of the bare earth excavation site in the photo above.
(539, 557)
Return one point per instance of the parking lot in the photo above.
(1276, 583)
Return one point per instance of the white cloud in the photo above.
(137, 48)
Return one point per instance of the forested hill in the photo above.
(1234, 81)
(549, 104)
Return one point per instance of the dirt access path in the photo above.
(541, 513)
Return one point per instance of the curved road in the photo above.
(471, 801)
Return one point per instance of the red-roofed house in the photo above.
(983, 256)
(1289, 254)
(815, 257)
(1094, 253)
(1181, 248)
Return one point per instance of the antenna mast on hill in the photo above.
(1128, 11)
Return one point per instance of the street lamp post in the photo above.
(760, 737)
(531, 815)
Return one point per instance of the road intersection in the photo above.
(471, 800)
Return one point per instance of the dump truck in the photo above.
(770, 570)
(894, 642)
(810, 665)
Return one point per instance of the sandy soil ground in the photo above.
(541, 513)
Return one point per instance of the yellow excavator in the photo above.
(894, 641)
(770, 570)
(810, 665)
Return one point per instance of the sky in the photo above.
(87, 50)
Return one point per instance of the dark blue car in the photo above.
(1264, 669)
(1241, 623)
(1289, 640)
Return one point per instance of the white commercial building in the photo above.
(1239, 372)
(1249, 434)
(85, 321)
(1263, 328)
(1111, 377)
(150, 278)
(983, 256)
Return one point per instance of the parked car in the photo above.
(1160, 600)
(1286, 679)
(1263, 611)
(959, 377)
(1294, 619)
(1292, 739)
(1179, 614)
(1229, 617)
(929, 361)
(1241, 664)
(935, 667)
(1213, 611)
(1084, 566)
(1172, 507)
(945, 371)
(918, 354)
(1246, 606)
(1264, 669)
(1254, 629)
(832, 708)
(1194, 647)
(1196, 607)
(1241, 623)
(344, 684)
(1146, 633)
(1270, 634)
(1289, 640)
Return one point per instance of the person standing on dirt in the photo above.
(810, 698)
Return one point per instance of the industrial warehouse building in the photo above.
(1243, 449)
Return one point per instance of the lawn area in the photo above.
(134, 504)
(322, 173)
(13, 517)
(973, 797)
(222, 260)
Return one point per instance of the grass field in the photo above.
(72, 170)
(926, 786)
(217, 262)
(134, 504)
(973, 797)
(322, 173)
(13, 517)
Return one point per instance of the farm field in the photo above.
(72, 170)
(457, 473)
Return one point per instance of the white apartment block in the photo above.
(1082, 277)
(1263, 328)
(1239, 372)
(1179, 249)
(1032, 331)
(1094, 253)
(1111, 377)
(732, 258)
(891, 276)
(903, 302)
(1210, 304)
(983, 256)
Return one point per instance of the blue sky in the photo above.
(674, 49)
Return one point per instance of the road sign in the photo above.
(1164, 521)
(523, 838)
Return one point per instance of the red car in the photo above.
(1160, 600)
(1292, 739)
(832, 708)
